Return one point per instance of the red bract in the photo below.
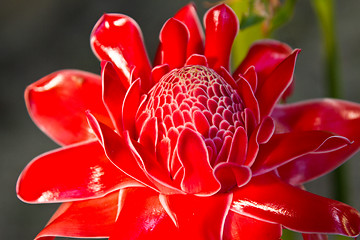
(184, 149)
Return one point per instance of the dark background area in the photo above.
(38, 37)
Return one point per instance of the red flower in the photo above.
(184, 149)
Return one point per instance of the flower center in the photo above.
(196, 97)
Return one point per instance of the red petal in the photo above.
(241, 227)
(266, 197)
(84, 219)
(118, 38)
(159, 71)
(197, 59)
(174, 38)
(260, 135)
(199, 218)
(118, 151)
(130, 107)
(76, 172)
(340, 117)
(221, 27)
(57, 104)
(189, 17)
(265, 56)
(113, 94)
(239, 146)
(314, 236)
(142, 217)
(283, 148)
(248, 97)
(274, 86)
(198, 177)
(230, 175)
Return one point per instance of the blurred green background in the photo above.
(38, 37)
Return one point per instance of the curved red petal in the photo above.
(221, 26)
(248, 97)
(57, 104)
(142, 216)
(282, 148)
(267, 197)
(265, 56)
(239, 227)
(278, 81)
(174, 38)
(93, 218)
(113, 94)
(231, 175)
(80, 171)
(198, 175)
(189, 17)
(118, 38)
(118, 151)
(197, 59)
(340, 117)
(198, 217)
(130, 107)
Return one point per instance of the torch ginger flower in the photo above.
(184, 149)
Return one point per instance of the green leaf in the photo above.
(252, 19)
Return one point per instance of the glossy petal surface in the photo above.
(267, 197)
(207, 214)
(118, 38)
(57, 104)
(265, 56)
(238, 227)
(142, 217)
(221, 27)
(174, 39)
(189, 17)
(340, 117)
(84, 219)
(76, 172)
(283, 148)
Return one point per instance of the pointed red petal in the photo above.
(130, 107)
(76, 172)
(199, 218)
(340, 117)
(118, 151)
(260, 135)
(282, 148)
(113, 94)
(266, 197)
(118, 38)
(221, 26)
(278, 81)
(239, 146)
(248, 97)
(265, 56)
(241, 227)
(142, 217)
(189, 17)
(198, 177)
(174, 38)
(84, 219)
(57, 104)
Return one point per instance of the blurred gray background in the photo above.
(38, 37)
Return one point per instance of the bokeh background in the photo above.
(38, 37)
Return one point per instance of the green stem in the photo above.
(325, 12)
